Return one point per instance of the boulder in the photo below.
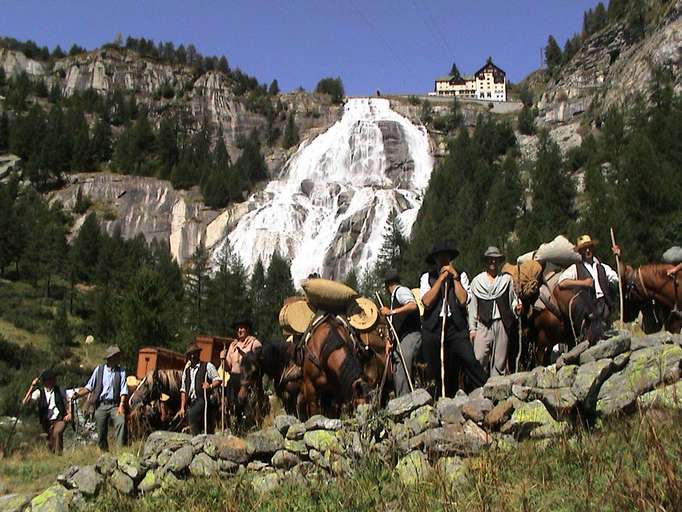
(573, 355)
(264, 443)
(323, 441)
(122, 482)
(546, 377)
(588, 380)
(452, 439)
(105, 465)
(413, 468)
(560, 402)
(450, 409)
(647, 368)
(284, 459)
(476, 394)
(422, 419)
(130, 465)
(87, 480)
(320, 459)
(266, 482)
(203, 465)
(64, 477)
(181, 459)
(621, 361)
(297, 447)
(149, 483)
(566, 375)
(165, 455)
(532, 416)
(500, 387)
(499, 414)
(607, 349)
(55, 499)
(161, 439)
(232, 448)
(404, 405)
(284, 421)
(14, 502)
(669, 397)
(228, 467)
(521, 392)
(318, 422)
(650, 340)
(452, 469)
(476, 410)
(296, 431)
(258, 465)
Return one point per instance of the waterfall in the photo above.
(328, 208)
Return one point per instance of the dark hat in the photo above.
(493, 252)
(447, 246)
(192, 348)
(112, 351)
(47, 374)
(242, 321)
(392, 276)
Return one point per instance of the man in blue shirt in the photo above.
(108, 392)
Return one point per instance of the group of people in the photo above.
(474, 319)
(470, 322)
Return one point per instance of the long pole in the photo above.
(442, 342)
(205, 405)
(397, 344)
(222, 389)
(620, 280)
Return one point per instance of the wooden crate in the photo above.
(157, 358)
(211, 346)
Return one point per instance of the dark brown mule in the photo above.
(648, 289)
(332, 375)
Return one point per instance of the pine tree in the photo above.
(278, 285)
(228, 294)
(196, 289)
(454, 70)
(4, 132)
(84, 251)
(258, 298)
(273, 90)
(61, 334)
(290, 138)
(392, 246)
(553, 55)
(526, 120)
(100, 144)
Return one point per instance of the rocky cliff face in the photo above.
(609, 68)
(208, 96)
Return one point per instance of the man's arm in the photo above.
(473, 314)
(212, 373)
(31, 391)
(123, 394)
(569, 279)
(431, 295)
(90, 385)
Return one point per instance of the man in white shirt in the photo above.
(458, 352)
(198, 379)
(592, 275)
(54, 409)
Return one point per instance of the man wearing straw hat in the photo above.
(592, 275)
(198, 379)
(404, 314)
(108, 390)
(54, 409)
(445, 296)
(493, 311)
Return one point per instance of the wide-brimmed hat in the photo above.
(112, 351)
(392, 276)
(242, 321)
(164, 397)
(584, 241)
(493, 252)
(192, 348)
(447, 246)
(47, 373)
(132, 381)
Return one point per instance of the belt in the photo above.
(108, 402)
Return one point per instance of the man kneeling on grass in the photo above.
(54, 410)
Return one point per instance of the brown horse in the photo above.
(147, 413)
(649, 290)
(332, 375)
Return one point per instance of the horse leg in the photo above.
(311, 398)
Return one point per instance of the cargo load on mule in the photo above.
(211, 346)
(157, 358)
(673, 256)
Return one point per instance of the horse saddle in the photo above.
(546, 299)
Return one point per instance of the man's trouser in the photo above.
(55, 436)
(603, 311)
(195, 417)
(109, 411)
(410, 345)
(488, 340)
(459, 355)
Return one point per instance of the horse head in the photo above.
(361, 392)
(144, 392)
(251, 374)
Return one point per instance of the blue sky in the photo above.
(389, 45)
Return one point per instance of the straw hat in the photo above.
(493, 252)
(132, 381)
(584, 241)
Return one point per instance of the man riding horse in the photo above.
(592, 277)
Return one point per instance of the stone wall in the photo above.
(412, 434)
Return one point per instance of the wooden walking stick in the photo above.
(222, 389)
(397, 343)
(442, 342)
(518, 296)
(206, 403)
(620, 280)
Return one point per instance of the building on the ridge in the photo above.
(488, 83)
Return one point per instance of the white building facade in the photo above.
(488, 83)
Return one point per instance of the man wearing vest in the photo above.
(493, 311)
(592, 275)
(459, 353)
(404, 314)
(108, 392)
(54, 409)
(198, 379)
(243, 343)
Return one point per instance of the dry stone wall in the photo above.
(413, 434)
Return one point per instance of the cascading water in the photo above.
(328, 208)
